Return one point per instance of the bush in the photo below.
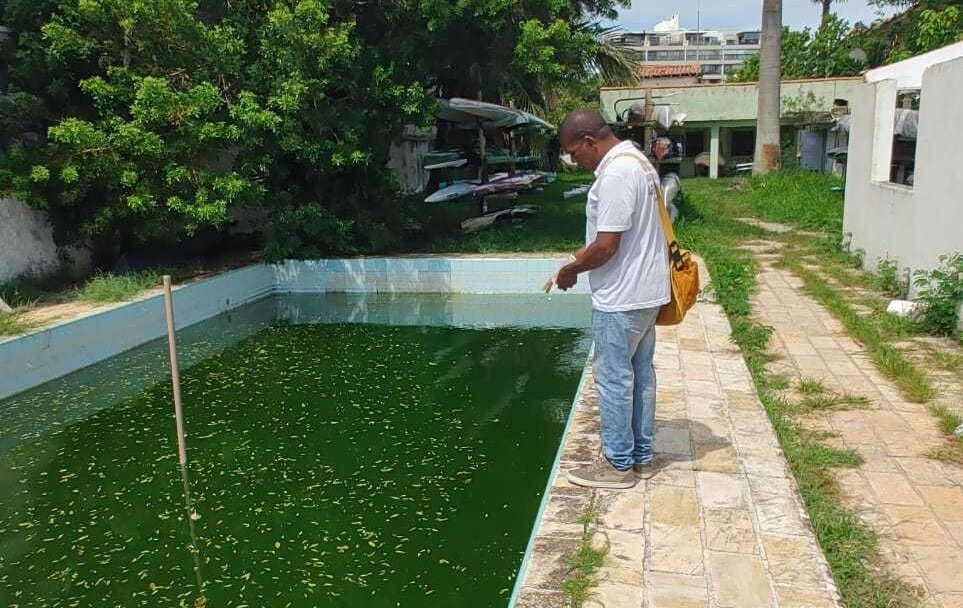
(941, 292)
(888, 278)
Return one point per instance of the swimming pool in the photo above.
(345, 450)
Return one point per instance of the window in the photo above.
(740, 55)
(902, 162)
(665, 56)
(716, 55)
(711, 68)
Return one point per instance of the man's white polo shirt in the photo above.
(623, 199)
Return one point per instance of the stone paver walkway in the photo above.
(915, 503)
(721, 525)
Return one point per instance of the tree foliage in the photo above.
(931, 29)
(136, 121)
(810, 53)
(828, 51)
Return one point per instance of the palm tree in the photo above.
(827, 5)
(767, 115)
(615, 62)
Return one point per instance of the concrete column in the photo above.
(714, 152)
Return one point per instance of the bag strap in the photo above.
(676, 255)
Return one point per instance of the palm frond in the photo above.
(615, 62)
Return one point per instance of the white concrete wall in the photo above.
(404, 158)
(908, 73)
(26, 241)
(912, 225)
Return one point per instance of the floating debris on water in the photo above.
(331, 463)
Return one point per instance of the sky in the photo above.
(738, 14)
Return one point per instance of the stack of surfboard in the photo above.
(498, 183)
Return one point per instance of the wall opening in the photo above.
(902, 164)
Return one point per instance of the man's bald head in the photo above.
(586, 138)
(580, 123)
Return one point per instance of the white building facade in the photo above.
(904, 195)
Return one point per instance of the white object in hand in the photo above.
(552, 280)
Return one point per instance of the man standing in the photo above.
(626, 257)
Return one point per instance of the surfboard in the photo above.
(448, 193)
(447, 164)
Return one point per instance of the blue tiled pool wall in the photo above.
(453, 310)
(50, 353)
(414, 275)
(60, 349)
(86, 391)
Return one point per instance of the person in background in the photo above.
(662, 147)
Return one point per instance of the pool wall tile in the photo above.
(49, 353)
(65, 347)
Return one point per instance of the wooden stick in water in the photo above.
(175, 373)
(192, 515)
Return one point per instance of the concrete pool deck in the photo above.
(720, 525)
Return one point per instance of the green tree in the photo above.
(931, 30)
(134, 121)
(810, 54)
(924, 26)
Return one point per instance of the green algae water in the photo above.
(331, 465)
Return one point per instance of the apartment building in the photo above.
(707, 55)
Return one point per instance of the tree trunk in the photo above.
(767, 116)
(826, 8)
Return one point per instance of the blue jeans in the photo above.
(625, 379)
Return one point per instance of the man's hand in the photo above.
(567, 277)
(597, 253)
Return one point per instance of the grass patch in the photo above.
(949, 422)
(849, 545)
(110, 287)
(815, 402)
(12, 324)
(778, 382)
(944, 359)
(810, 386)
(801, 198)
(953, 455)
(585, 561)
(816, 397)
